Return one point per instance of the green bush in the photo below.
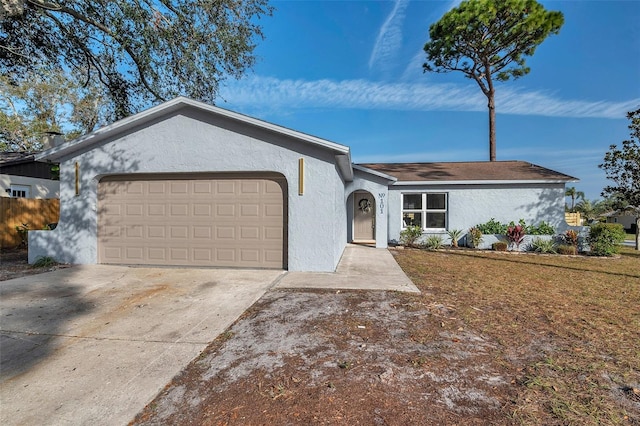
(495, 227)
(540, 245)
(499, 246)
(604, 238)
(44, 262)
(542, 229)
(434, 242)
(410, 235)
(567, 249)
(492, 227)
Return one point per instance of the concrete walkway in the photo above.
(361, 268)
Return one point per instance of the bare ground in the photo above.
(492, 339)
(14, 264)
(471, 349)
(340, 358)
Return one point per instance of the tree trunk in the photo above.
(637, 232)
(492, 126)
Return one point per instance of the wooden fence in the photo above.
(573, 219)
(34, 213)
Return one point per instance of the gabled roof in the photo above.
(11, 158)
(469, 172)
(342, 152)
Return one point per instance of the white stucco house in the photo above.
(186, 183)
(23, 177)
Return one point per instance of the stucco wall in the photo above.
(40, 188)
(194, 141)
(469, 205)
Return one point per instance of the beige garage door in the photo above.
(207, 221)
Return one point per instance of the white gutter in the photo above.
(480, 182)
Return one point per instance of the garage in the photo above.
(223, 220)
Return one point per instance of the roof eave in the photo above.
(483, 182)
(68, 148)
(375, 173)
(344, 165)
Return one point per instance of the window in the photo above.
(20, 191)
(426, 210)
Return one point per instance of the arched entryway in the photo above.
(364, 214)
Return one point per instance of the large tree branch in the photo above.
(134, 57)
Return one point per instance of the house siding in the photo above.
(469, 205)
(198, 142)
(40, 188)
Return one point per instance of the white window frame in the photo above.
(424, 210)
(20, 191)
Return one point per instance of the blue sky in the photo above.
(350, 72)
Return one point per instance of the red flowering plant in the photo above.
(515, 235)
(571, 237)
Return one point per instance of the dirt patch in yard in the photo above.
(14, 263)
(492, 339)
(334, 358)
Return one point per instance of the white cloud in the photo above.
(389, 39)
(263, 93)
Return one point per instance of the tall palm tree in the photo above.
(571, 192)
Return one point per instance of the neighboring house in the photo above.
(21, 176)
(186, 183)
(626, 220)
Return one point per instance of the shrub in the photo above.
(567, 249)
(499, 246)
(475, 236)
(23, 232)
(492, 227)
(604, 238)
(495, 227)
(541, 245)
(455, 235)
(570, 237)
(44, 262)
(542, 229)
(410, 235)
(515, 235)
(433, 242)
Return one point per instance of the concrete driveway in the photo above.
(95, 344)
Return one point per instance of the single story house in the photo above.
(627, 220)
(21, 176)
(186, 183)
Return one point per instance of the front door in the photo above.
(363, 217)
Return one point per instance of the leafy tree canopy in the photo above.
(47, 101)
(488, 40)
(622, 167)
(142, 51)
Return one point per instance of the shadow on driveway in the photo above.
(34, 310)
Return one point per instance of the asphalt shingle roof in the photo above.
(468, 171)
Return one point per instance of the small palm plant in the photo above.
(455, 235)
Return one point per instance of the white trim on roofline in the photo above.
(374, 172)
(70, 147)
(479, 182)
